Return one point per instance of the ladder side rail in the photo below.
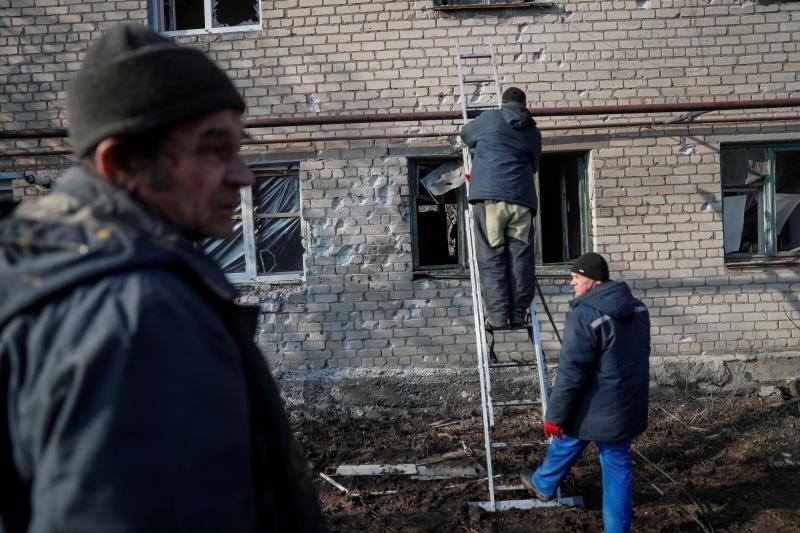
(541, 367)
(496, 76)
(483, 365)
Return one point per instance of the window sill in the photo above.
(505, 5)
(211, 31)
(292, 278)
(542, 272)
(455, 273)
(772, 262)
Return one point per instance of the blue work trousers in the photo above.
(615, 461)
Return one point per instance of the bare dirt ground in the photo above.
(708, 462)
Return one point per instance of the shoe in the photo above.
(494, 323)
(518, 319)
(526, 476)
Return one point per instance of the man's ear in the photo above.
(106, 159)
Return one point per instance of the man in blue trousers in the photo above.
(601, 390)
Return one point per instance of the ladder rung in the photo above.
(513, 403)
(484, 106)
(474, 56)
(478, 80)
(512, 364)
(509, 328)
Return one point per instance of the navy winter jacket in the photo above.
(132, 395)
(507, 147)
(601, 390)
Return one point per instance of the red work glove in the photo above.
(552, 430)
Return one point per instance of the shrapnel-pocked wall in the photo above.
(654, 193)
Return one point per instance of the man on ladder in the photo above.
(507, 147)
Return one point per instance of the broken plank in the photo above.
(421, 472)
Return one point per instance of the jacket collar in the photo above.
(591, 293)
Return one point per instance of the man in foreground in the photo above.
(507, 147)
(132, 396)
(601, 390)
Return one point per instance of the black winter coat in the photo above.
(601, 390)
(132, 395)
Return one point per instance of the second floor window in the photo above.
(205, 16)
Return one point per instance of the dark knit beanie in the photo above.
(513, 94)
(592, 266)
(134, 81)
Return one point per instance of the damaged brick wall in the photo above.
(654, 193)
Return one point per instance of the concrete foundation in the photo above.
(449, 391)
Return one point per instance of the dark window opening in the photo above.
(438, 221)
(787, 200)
(561, 214)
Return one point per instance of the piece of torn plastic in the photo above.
(444, 178)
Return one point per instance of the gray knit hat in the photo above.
(134, 81)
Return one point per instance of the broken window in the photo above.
(438, 202)
(267, 240)
(193, 16)
(760, 201)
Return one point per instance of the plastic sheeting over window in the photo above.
(228, 253)
(275, 245)
(278, 245)
(277, 195)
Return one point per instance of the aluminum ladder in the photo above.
(485, 365)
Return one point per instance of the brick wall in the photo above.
(654, 192)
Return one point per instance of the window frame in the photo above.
(463, 264)
(248, 227)
(582, 162)
(155, 16)
(767, 208)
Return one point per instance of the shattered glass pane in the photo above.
(235, 13)
(183, 15)
(279, 245)
(740, 212)
(744, 166)
(228, 253)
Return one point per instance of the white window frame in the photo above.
(157, 10)
(248, 239)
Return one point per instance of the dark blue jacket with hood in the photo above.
(601, 390)
(507, 147)
(132, 395)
